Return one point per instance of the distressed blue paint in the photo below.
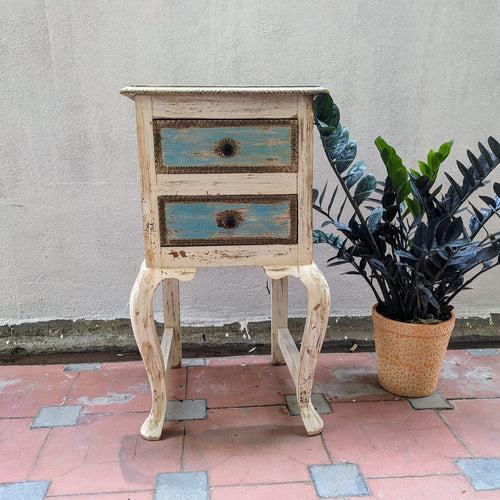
(194, 146)
(197, 220)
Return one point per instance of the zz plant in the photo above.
(405, 236)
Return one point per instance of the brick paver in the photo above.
(244, 444)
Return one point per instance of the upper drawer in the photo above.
(223, 146)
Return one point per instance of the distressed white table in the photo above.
(226, 179)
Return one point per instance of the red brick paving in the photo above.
(387, 439)
(466, 376)
(239, 384)
(445, 487)
(19, 447)
(105, 454)
(119, 389)
(24, 389)
(298, 491)
(249, 445)
(476, 422)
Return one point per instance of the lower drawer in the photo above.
(227, 220)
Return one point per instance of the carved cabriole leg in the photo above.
(279, 316)
(146, 336)
(302, 369)
(171, 314)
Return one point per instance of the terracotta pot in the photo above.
(410, 356)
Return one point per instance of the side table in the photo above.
(226, 180)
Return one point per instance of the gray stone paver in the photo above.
(83, 367)
(188, 409)
(433, 402)
(56, 416)
(338, 480)
(482, 473)
(182, 486)
(488, 351)
(187, 362)
(318, 400)
(26, 490)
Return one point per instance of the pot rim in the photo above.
(422, 328)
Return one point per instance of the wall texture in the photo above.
(418, 73)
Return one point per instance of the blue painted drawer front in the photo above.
(219, 146)
(228, 220)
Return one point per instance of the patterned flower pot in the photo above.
(410, 356)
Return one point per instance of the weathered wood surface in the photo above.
(226, 220)
(228, 255)
(258, 91)
(203, 146)
(141, 316)
(172, 318)
(224, 106)
(279, 316)
(305, 179)
(290, 353)
(258, 214)
(318, 306)
(145, 145)
(223, 184)
(148, 342)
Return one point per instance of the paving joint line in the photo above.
(98, 493)
(437, 474)
(325, 446)
(455, 435)
(258, 484)
(35, 460)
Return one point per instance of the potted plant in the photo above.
(408, 240)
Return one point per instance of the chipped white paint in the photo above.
(165, 261)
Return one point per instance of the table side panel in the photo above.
(144, 122)
(305, 179)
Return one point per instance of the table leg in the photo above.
(146, 336)
(303, 364)
(318, 306)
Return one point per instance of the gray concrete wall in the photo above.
(419, 73)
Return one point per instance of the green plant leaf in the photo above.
(413, 206)
(326, 112)
(435, 158)
(396, 171)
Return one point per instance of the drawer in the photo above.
(227, 220)
(222, 146)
